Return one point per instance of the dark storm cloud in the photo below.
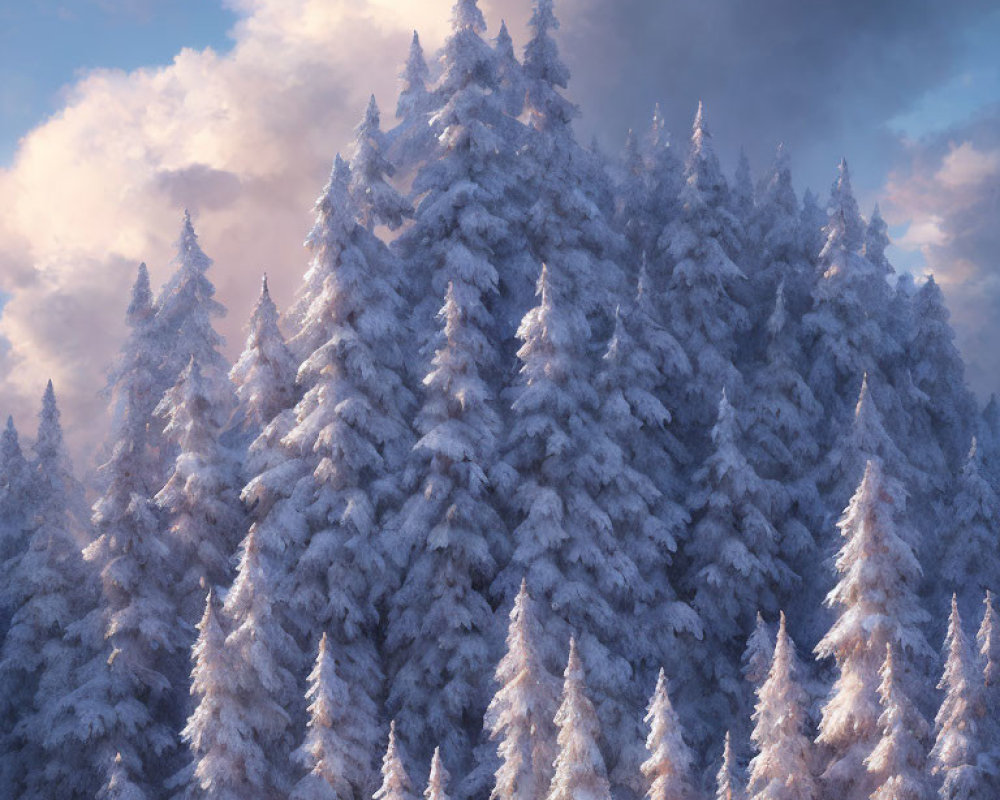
(823, 77)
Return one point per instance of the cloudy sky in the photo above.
(117, 114)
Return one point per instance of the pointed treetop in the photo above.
(416, 72)
(988, 638)
(504, 43)
(728, 783)
(658, 136)
(843, 210)
(467, 15)
(437, 783)
(141, 304)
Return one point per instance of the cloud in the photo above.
(948, 192)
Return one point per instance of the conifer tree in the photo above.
(812, 220)
(898, 761)
(735, 566)
(413, 139)
(876, 241)
(185, 310)
(440, 621)
(970, 563)
(758, 655)
(701, 296)
(959, 728)
(876, 602)
(728, 783)
(264, 374)
(564, 540)
(509, 76)
(263, 659)
(49, 591)
(781, 770)
(520, 715)
(200, 501)
(119, 784)
(375, 200)
(127, 696)
(988, 641)
(668, 768)
(396, 783)
(743, 202)
(842, 204)
(338, 764)
(15, 513)
(579, 769)
(437, 782)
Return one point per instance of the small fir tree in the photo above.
(668, 768)
(396, 783)
(727, 780)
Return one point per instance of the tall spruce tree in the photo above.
(413, 139)
(440, 621)
(264, 374)
(958, 744)
(782, 768)
(988, 644)
(668, 767)
(376, 201)
(876, 603)
(899, 759)
(579, 769)
(520, 715)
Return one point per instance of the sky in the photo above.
(115, 115)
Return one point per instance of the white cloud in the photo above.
(965, 165)
(244, 139)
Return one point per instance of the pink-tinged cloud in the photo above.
(948, 193)
(245, 140)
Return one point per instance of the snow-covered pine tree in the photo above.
(959, 729)
(474, 175)
(119, 784)
(219, 732)
(988, 642)
(335, 761)
(970, 559)
(15, 513)
(898, 761)
(735, 567)
(668, 768)
(666, 178)
(812, 219)
(396, 784)
(520, 715)
(264, 374)
(632, 198)
(728, 784)
(49, 590)
(200, 501)
(743, 204)
(579, 769)
(331, 468)
(876, 603)
(413, 139)
(263, 659)
(846, 333)
(437, 782)
(509, 77)
(183, 326)
(126, 699)
(700, 301)
(759, 653)
(449, 538)
(567, 226)
(565, 544)
(939, 374)
(376, 201)
(782, 768)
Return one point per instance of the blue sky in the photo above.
(46, 44)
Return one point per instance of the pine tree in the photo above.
(668, 768)
(438, 781)
(337, 762)
(509, 76)
(898, 761)
(49, 590)
(183, 328)
(264, 375)
(743, 202)
(15, 513)
(564, 541)
(781, 770)
(579, 769)
(440, 621)
(263, 659)
(701, 296)
(127, 697)
(199, 501)
(520, 715)
(413, 139)
(728, 783)
(758, 655)
(812, 219)
(970, 563)
(396, 783)
(959, 722)
(376, 201)
(842, 204)
(988, 641)
(119, 784)
(735, 566)
(876, 603)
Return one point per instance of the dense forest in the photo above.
(565, 477)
